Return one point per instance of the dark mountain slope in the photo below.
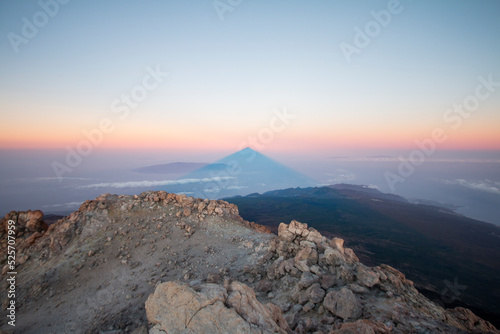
(433, 245)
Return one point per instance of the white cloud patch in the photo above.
(216, 190)
(137, 184)
(63, 205)
(342, 176)
(51, 179)
(486, 185)
(236, 187)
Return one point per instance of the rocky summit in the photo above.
(164, 263)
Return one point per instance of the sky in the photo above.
(204, 76)
(402, 95)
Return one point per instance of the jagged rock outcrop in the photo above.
(58, 235)
(321, 285)
(111, 253)
(29, 226)
(203, 269)
(26, 221)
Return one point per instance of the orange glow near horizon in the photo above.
(486, 138)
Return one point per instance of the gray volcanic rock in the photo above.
(165, 263)
(343, 303)
(367, 277)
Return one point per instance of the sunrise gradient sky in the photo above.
(227, 77)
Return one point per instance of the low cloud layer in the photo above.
(138, 184)
(63, 205)
(48, 179)
(342, 176)
(217, 190)
(486, 185)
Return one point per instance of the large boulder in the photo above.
(284, 233)
(177, 308)
(315, 293)
(343, 304)
(337, 243)
(299, 229)
(31, 221)
(35, 221)
(307, 254)
(243, 300)
(367, 277)
(314, 236)
(333, 257)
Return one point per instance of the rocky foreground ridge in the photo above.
(165, 263)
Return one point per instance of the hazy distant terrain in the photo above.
(27, 185)
(431, 244)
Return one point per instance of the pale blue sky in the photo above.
(263, 55)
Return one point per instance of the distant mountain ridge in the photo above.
(352, 190)
(339, 190)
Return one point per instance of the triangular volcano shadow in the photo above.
(241, 173)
